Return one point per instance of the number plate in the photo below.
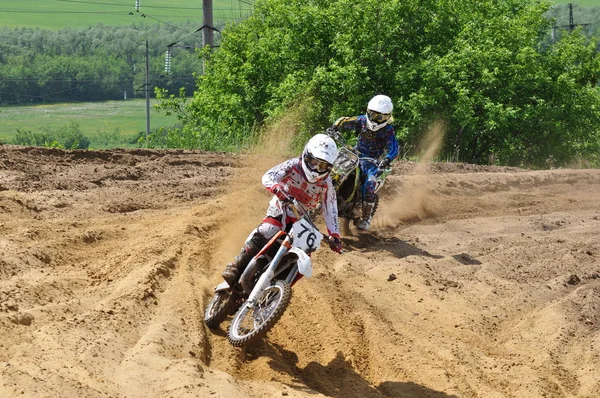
(306, 237)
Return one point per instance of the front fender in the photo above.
(222, 287)
(304, 262)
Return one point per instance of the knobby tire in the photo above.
(240, 336)
(219, 308)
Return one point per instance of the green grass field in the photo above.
(99, 121)
(56, 14)
(581, 3)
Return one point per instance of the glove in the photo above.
(385, 163)
(335, 244)
(279, 191)
(333, 133)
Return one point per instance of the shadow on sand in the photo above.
(374, 242)
(337, 379)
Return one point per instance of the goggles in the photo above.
(317, 165)
(378, 117)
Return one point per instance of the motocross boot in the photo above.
(367, 216)
(234, 270)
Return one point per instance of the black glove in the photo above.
(335, 244)
(385, 163)
(333, 133)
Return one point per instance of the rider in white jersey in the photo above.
(305, 179)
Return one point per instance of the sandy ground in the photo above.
(474, 282)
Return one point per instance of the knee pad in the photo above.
(266, 231)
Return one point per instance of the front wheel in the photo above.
(219, 307)
(253, 321)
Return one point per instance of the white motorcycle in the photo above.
(264, 289)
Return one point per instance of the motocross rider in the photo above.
(306, 179)
(376, 139)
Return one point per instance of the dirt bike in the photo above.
(348, 179)
(264, 289)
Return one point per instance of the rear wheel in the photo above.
(221, 305)
(253, 321)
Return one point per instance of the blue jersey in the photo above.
(374, 144)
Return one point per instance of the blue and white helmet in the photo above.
(318, 156)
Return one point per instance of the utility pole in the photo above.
(571, 24)
(207, 26)
(147, 93)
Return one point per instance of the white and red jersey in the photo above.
(290, 176)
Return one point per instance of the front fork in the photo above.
(269, 273)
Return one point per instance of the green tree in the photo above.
(478, 65)
(93, 63)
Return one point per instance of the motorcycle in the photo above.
(264, 290)
(348, 179)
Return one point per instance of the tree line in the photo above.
(95, 63)
(484, 70)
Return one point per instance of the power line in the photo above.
(571, 24)
(147, 6)
(52, 95)
(95, 2)
(178, 16)
(157, 20)
(222, 13)
(59, 12)
(23, 11)
(30, 79)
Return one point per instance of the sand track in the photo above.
(109, 257)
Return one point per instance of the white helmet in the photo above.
(318, 156)
(379, 112)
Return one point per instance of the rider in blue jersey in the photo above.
(376, 139)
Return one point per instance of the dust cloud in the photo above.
(412, 202)
(247, 200)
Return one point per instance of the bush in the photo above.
(71, 137)
(29, 138)
(67, 137)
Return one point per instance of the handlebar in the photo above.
(338, 138)
(368, 159)
(295, 205)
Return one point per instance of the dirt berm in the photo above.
(107, 259)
